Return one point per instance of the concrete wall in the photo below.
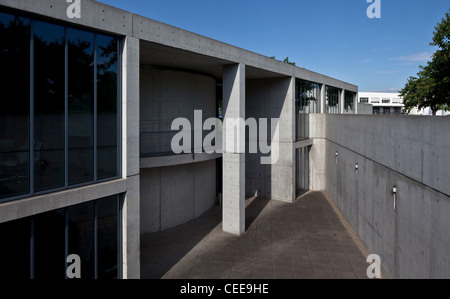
(409, 152)
(272, 98)
(171, 196)
(167, 95)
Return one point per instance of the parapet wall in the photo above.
(409, 232)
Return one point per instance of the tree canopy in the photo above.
(431, 86)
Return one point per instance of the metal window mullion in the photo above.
(96, 239)
(120, 204)
(32, 248)
(95, 112)
(120, 47)
(66, 109)
(66, 239)
(31, 137)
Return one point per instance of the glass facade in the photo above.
(349, 102)
(37, 247)
(306, 101)
(15, 35)
(333, 97)
(302, 170)
(60, 95)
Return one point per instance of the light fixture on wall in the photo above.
(394, 193)
(356, 166)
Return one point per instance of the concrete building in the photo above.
(391, 103)
(97, 95)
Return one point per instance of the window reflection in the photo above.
(107, 72)
(306, 101)
(15, 105)
(49, 95)
(81, 106)
(61, 65)
(332, 99)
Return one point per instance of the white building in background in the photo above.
(382, 102)
(427, 111)
(392, 103)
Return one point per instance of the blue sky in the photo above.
(331, 37)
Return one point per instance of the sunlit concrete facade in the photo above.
(165, 73)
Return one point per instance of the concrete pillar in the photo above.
(342, 101)
(323, 99)
(283, 171)
(355, 103)
(130, 158)
(233, 220)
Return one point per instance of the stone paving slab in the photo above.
(307, 239)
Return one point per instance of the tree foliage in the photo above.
(431, 87)
(286, 60)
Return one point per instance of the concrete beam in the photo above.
(234, 158)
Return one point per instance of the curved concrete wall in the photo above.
(172, 195)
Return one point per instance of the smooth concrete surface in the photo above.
(48, 202)
(364, 108)
(234, 154)
(131, 230)
(130, 107)
(410, 232)
(272, 99)
(93, 14)
(154, 162)
(174, 195)
(308, 239)
(170, 94)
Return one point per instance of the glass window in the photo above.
(81, 106)
(61, 64)
(302, 170)
(49, 97)
(15, 105)
(81, 236)
(107, 232)
(349, 101)
(333, 95)
(49, 245)
(57, 234)
(107, 75)
(15, 250)
(364, 100)
(306, 101)
(376, 110)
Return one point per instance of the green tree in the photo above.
(431, 87)
(286, 60)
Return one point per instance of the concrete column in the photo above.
(233, 219)
(283, 171)
(342, 101)
(323, 99)
(355, 103)
(130, 158)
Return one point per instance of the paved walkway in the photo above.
(303, 240)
